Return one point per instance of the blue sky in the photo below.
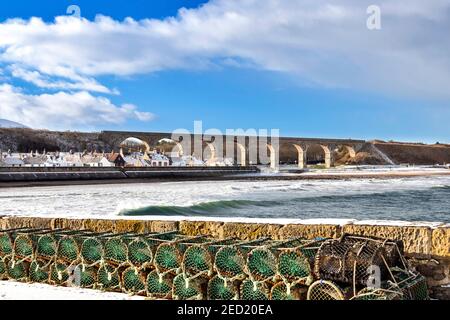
(232, 64)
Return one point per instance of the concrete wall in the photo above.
(92, 173)
(427, 248)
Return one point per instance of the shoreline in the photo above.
(252, 177)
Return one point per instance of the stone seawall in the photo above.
(426, 247)
(91, 173)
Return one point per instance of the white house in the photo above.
(12, 161)
(159, 160)
(187, 161)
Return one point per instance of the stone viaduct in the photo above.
(247, 150)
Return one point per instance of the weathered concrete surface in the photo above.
(50, 174)
(427, 248)
(417, 240)
(310, 231)
(249, 231)
(440, 244)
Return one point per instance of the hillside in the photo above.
(26, 140)
(415, 153)
(373, 152)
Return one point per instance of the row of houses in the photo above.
(85, 159)
(133, 153)
(95, 159)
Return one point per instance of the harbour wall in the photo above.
(427, 247)
(24, 174)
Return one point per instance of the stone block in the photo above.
(122, 226)
(310, 231)
(250, 231)
(441, 242)
(416, 240)
(197, 228)
(160, 226)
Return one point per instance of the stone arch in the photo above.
(301, 156)
(273, 156)
(212, 149)
(147, 146)
(180, 149)
(243, 154)
(324, 149)
(328, 160)
(176, 145)
(351, 151)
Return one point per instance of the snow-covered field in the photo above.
(10, 290)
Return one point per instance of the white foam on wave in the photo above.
(111, 200)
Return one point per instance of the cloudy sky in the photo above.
(307, 67)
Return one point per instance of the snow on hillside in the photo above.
(10, 124)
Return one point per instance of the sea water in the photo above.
(404, 199)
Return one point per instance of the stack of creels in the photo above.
(115, 261)
(287, 291)
(295, 265)
(145, 275)
(130, 261)
(198, 259)
(294, 269)
(23, 253)
(47, 244)
(231, 267)
(276, 262)
(97, 251)
(3, 273)
(93, 253)
(7, 238)
(197, 269)
(70, 267)
(350, 259)
(378, 294)
(185, 288)
(230, 261)
(222, 289)
(70, 246)
(45, 253)
(169, 254)
(412, 286)
(142, 249)
(174, 266)
(133, 281)
(169, 258)
(138, 277)
(373, 268)
(159, 285)
(327, 290)
(127, 260)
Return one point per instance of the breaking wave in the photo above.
(400, 205)
(204, 208)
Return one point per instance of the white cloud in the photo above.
(42, 81)
(316, 41)
(63, 111)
